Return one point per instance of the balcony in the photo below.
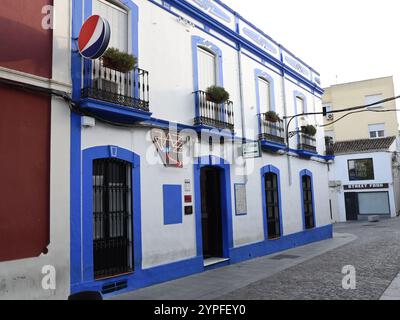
(329, 150)
(210, 115)
(115, 95)
(307, 144)
(272, 135)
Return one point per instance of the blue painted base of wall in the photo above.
(146, 277)
(287, 242)
(156, 275)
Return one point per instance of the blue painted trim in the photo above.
(75, 148)
(298, 94)
(272, 146)
(213, 131)
(172, 204)
(89, 155)
(232, 35)
(114, 112)
(306, 153)
(133, 10)
(226, 202)
(264, 248)
(179, 269)
(263, 172)
(146, 277)
(303, 173)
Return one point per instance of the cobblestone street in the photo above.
(375, 254)
(310, 272)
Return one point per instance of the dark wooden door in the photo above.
(112, 218)
(351, 202)
(211, 212)
(308, 202)
(272, 203)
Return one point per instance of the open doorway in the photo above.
(211, 213)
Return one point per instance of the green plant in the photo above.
(119, 61)
(309, 129)
(217, 94)
(272, 116)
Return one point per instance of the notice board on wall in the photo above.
(240, 199)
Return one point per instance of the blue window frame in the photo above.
(307, 199)
(271, 202)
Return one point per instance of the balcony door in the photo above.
(207, 69)
(119, 22)
(265, 95)
(106, 79)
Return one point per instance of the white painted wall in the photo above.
(383, 173)
(165, 47)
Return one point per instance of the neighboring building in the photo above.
(35, 144)
(368, 124)
(364, 179)
(150, 172)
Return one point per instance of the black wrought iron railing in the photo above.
(220, 116)
(129, 89)
(329, 150)
(272, 131)
(307, 142)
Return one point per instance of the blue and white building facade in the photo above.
(158, 227)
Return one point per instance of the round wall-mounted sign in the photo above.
(94, 37)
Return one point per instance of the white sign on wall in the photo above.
(251, 150)
(240, 199)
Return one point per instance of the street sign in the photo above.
(94, 37)
(251, 150)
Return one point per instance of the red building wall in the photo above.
(24, 132)
(24, 44)
(25, 173)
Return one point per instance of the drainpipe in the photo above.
(242, 111)
(284, 102)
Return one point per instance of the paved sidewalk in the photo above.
(393, 291)
(215, 283)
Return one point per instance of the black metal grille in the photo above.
(272, 199)
(272, 131)
(308, 202)
(307, 142)
(112, 218)
(129, 89)
(212, 114)
(329, 146)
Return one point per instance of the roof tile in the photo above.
(363, 145)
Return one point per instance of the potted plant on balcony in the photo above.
(217, 94)
(309, 129)
(272, 116)
(119, 61)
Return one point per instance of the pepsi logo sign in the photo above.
(94, 37)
